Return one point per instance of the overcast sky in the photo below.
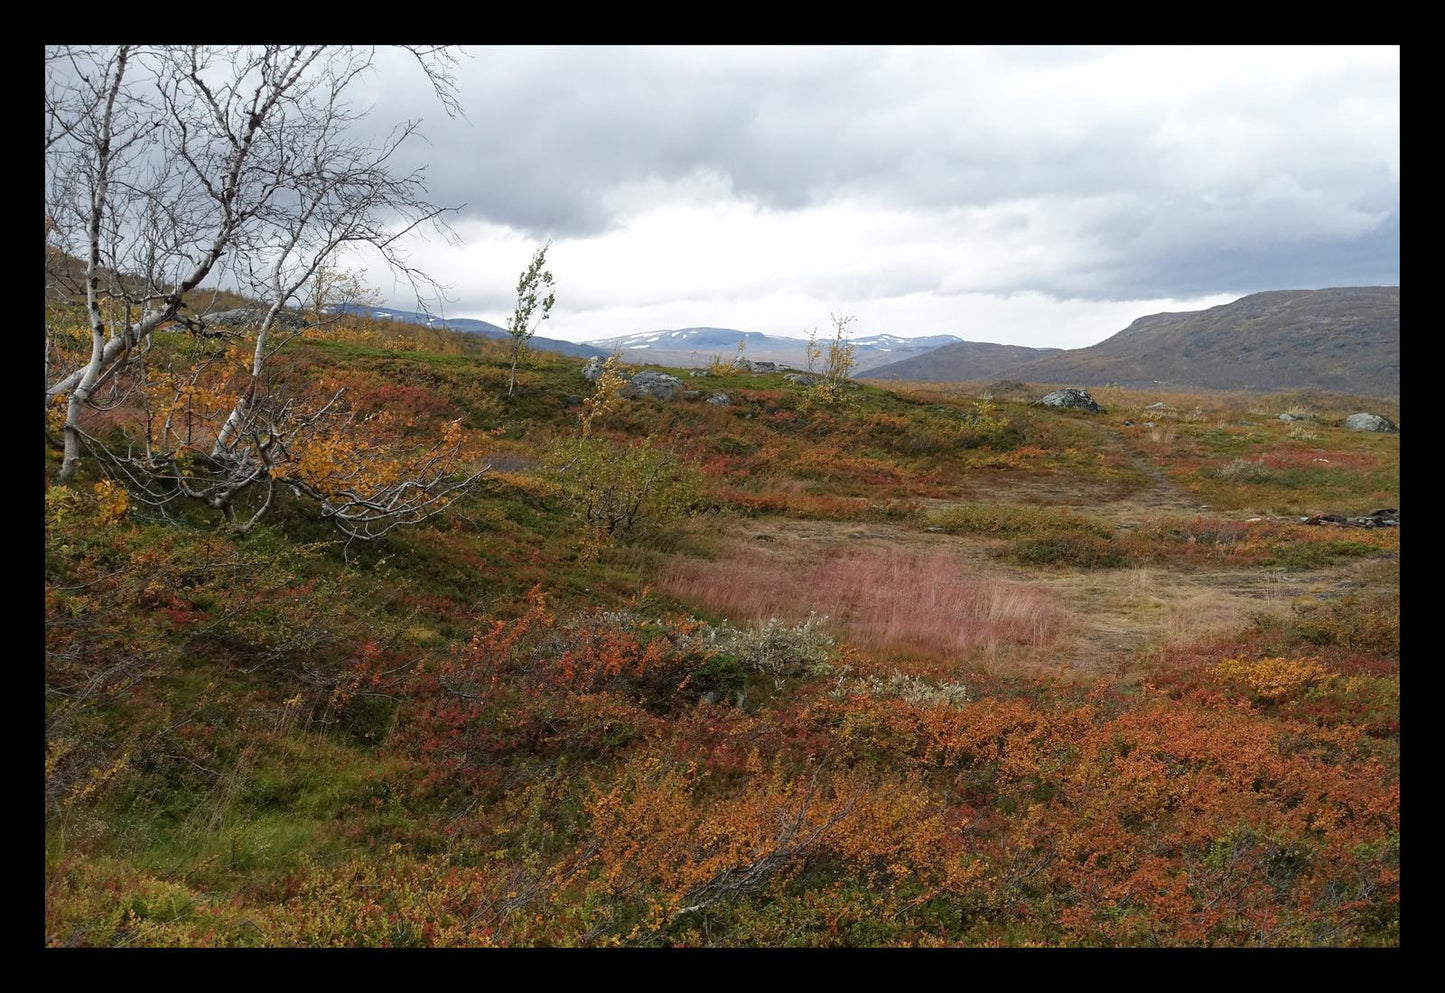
(1033, 196)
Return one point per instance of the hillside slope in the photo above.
(472, 326)
(964, 362)
(1344, 339)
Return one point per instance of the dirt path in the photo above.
(1163, 494)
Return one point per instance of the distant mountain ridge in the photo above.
(697, 346)
(964, 362)
(1342, 339)
(468, 325)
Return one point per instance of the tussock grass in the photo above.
(885, 599)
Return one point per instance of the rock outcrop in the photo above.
(1388, 518)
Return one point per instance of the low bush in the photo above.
(1083, 551)
(1013, 520)
(1244, 471)
(1359, 622)
(773, 647)
(624, 493)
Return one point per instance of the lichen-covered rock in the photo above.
(1071, 397)
(654, 385)
(1369, 422)
(801, 378)
(251, 317)
(592, 371)
(719, 400)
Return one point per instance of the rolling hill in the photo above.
(1344, 339)
(471, 326)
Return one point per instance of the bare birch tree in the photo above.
(166, 166)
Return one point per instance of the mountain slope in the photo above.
(963, 362)
(696, 346)
(470, 326)
(1343, 339)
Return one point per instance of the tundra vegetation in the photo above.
(920, 668)
(385, 638)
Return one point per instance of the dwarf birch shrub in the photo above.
(623, 493)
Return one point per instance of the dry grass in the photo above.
(930, 603)
(1200, 615)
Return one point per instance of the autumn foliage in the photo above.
(818, 694)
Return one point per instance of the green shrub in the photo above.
(721, 674)
(1303, 555)
(1084, 551)
(1358, 622)
(624, 493)
(1012, 521)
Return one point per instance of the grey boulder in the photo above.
(592, 371)
(1071, 397)
(1370, 422)
(654, 385)
(251, 317)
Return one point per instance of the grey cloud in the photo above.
(552, 131)
(1196, 269)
